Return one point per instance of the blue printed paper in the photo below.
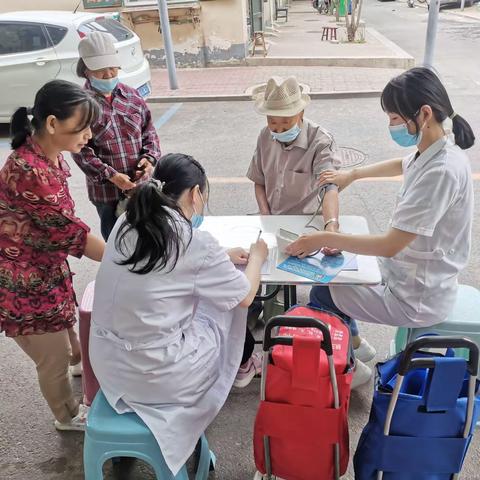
(320, 268)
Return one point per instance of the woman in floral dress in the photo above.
(38, 230)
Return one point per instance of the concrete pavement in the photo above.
(222, 136)
(299, 42)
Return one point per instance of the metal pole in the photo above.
(431, 32)
(167, 43)
(462, 5)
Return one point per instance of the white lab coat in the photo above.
(420, 283)
(167, 345)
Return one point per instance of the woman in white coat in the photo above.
(428, 241)
(169, 315)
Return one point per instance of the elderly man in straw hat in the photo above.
(291, 152)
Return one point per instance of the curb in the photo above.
(461, 15)
(350, 62)
(245, 97)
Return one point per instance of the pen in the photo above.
(259, 235)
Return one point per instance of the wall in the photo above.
(215, 33)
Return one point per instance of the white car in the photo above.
(38, 46)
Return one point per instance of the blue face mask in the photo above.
(288, 136)
(403, 137)
(104, 85)
(197, 219)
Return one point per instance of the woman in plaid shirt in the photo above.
(125, 145)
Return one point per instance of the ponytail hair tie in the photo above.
(453, 115)
(158, 184)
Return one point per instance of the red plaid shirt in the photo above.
(122, 136)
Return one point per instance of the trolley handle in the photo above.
(301, 322)
(407, 362)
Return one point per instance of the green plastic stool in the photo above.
(109, 434)
(463, 321)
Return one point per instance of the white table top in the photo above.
(242, 231)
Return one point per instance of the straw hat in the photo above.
(280, 98)
(98, 51)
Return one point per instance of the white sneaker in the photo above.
(76, 370)
(365, 352)
(77, 423)
(361, 375)
(251, 369)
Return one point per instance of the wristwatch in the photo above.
(329, 221)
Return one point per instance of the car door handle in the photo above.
(41, 61)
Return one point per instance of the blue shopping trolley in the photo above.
(423, 411)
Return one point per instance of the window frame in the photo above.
(49, 37)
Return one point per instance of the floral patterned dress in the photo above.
(38, 230)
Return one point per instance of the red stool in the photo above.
(329, 33)
(89, 381)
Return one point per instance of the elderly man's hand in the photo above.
(331, 227)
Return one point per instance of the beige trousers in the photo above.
(51, 354)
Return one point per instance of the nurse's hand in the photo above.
(259, 250)
(305, 245)
(238, 256)
(341, 178)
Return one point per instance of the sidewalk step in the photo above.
(368, 62)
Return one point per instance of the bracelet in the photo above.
(329, 221)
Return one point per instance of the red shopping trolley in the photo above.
(301, 427)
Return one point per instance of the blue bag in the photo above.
(422, 416)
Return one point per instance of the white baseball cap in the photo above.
(98, 51)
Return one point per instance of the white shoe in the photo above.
(361, 375)
(365, 352)
(76, 370)
(77, 423)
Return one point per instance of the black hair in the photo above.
(81, 69)
(150, 212)
(59, 98)
(419, 86)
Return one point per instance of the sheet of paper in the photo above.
(268, 264)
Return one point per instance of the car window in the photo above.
(21, 37)
(57, 34)
(109, 25)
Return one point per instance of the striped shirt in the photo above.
(121, 137)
